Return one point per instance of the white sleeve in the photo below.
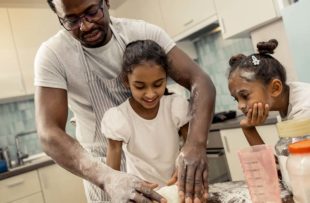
(115, 126)
(180, 110)
(48, 71)
(160, 36)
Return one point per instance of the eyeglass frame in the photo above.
(80, 18)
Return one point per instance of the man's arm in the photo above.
(51, 116)
(192, 176)
(114, 154)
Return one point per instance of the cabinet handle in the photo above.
(222, 25)
(226, 144)
(15, 183)
(188, 22)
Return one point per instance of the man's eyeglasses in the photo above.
(92, 15)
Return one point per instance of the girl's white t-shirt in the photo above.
(150, 146)
(299, 104)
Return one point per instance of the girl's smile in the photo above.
(147, 83)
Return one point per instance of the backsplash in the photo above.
(18, 117)
(213, 55)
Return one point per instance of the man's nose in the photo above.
(85, 25)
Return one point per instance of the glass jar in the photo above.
(298, 167)
(290, 132)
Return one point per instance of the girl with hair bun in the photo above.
(258, 84)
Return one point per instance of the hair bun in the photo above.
(236, 59)
(267, 47)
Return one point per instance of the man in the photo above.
(80, 66)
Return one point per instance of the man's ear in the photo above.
(276, 87)
(107, 2)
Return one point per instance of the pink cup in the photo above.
(259, 168)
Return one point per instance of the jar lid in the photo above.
(294, 128)
(300, 147)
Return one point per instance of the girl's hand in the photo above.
(256, 115)
(173, 179)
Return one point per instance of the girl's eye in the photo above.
(139, 87)
(245, 96)
(158, 84)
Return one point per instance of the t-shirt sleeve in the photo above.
(160, 36)
(48, 71)
(141, 30)
(180, 110)
(115, 126)
(303, 113)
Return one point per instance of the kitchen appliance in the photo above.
(5, 156)
(224, 116)
(217, 163)
(297, 28)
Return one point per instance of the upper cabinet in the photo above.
(241, 16)
(183, 17)
(31, 27)
(148, 10)
(178, 17)
(10, 78)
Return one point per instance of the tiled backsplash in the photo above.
(213, 55)
(18, 117)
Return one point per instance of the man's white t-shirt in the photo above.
(150, 146)
(59, 63)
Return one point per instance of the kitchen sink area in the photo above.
(31, 163)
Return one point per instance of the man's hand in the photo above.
(123, 187)
(193, 174)
(256, 115)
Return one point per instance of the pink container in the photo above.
(259, 168)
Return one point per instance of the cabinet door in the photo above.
(31, 27)
(240, 16)
(181, 15)
(10, 76)
(18, 187)
(58, 185)
(36, 198)
(147, 10)
(234, 140)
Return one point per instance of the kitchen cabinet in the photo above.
(182, 17)
(20, 188)
(30, 27)
(36, 198)
(10, 77)
(234, 140)
(241, 16)
(58, 185)
(148, 10)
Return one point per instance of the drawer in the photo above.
(19, 186)
(36, 198)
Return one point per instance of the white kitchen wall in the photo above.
(283, 53)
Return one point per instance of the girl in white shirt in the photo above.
(258, 84)
(148, 125)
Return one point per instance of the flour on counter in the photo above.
(229, 192)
